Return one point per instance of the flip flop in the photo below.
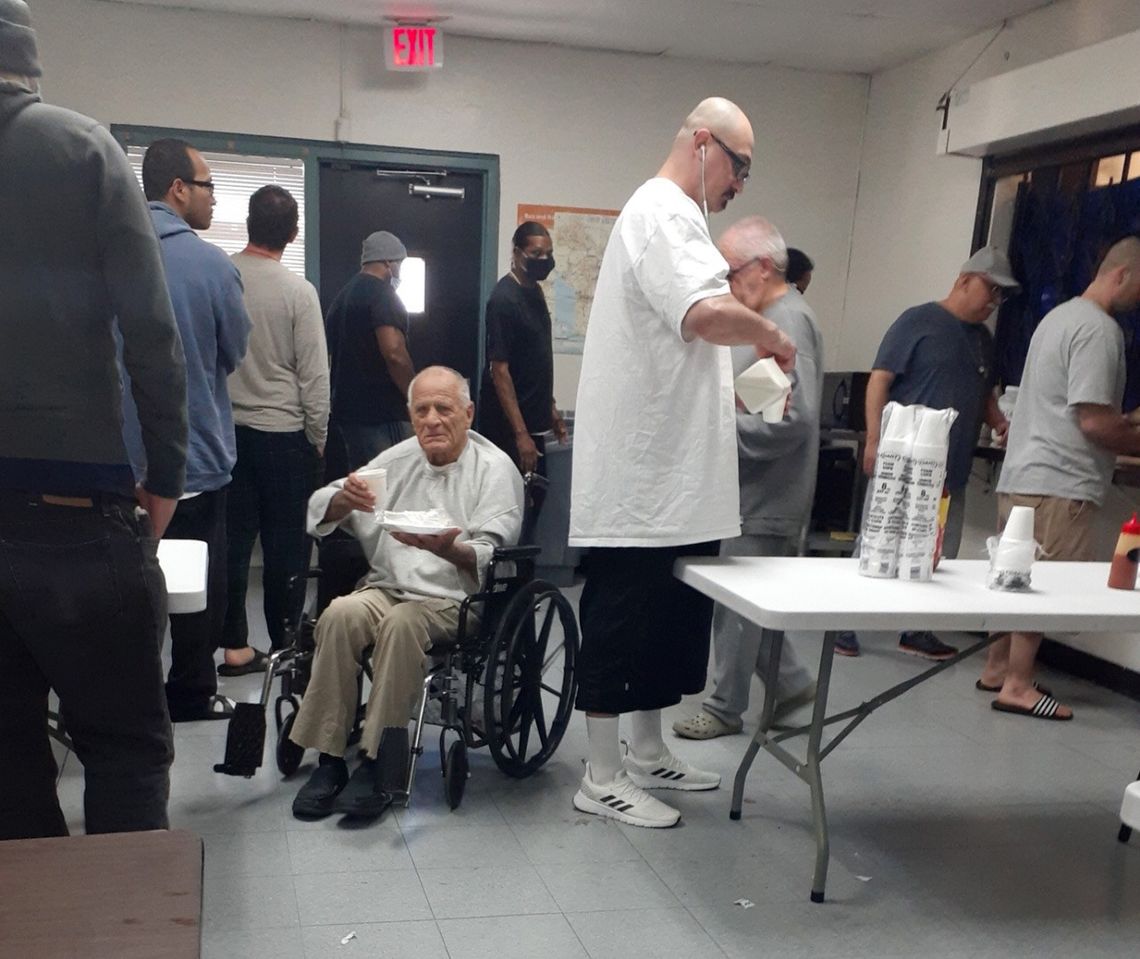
(997, 689)
(1044, 708)
(256, 665)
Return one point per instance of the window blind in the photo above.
(236, 178)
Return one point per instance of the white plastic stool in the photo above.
(1129, 811)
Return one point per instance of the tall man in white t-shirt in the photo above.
(655, 474)
(1064, 435)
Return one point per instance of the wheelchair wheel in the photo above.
(289, 754)
(530, 684)
(455, 773)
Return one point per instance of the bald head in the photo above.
(1125, 253)
(719, 115)
(711, 155)
(1116, 286)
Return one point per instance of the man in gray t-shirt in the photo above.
(1064, 436)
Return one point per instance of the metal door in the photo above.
(444, 227)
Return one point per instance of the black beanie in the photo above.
(18, 40)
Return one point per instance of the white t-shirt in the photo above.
(655, 427)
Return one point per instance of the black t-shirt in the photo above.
(362, 389)
(519, 334)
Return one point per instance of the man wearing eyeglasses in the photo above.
(941, 355)
(655, 475)
(778, 464)
(205, 289)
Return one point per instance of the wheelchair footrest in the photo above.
(245, 741)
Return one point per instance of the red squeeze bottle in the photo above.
(1126, 558)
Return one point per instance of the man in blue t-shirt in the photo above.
(941, 355)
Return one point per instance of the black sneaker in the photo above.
(316, 798)
(363, 798)
(847, 643)
(926, 645)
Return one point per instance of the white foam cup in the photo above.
(376, 480)
(763, 385)
(1019, 526)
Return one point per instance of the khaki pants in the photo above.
(400, 633)
(1063, 527)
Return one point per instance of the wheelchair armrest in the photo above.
(300, 581)
(507, 553)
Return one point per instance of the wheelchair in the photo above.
(506, 682)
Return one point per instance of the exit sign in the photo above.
(413, 47)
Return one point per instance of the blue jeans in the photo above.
(272, 480)
(83, 612)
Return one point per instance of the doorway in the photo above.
(444, 228)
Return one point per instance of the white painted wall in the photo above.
(572, 127)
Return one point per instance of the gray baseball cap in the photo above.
(382, 245)
(994, 264)
(18, 40)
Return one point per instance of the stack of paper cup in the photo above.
(1012, 554)
(376, 479)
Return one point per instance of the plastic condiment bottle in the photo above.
(1126, 558)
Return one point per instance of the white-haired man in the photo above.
(411, 597)
(777, 463)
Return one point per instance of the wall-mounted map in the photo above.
(580, 236)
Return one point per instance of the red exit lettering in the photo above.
(413, 47)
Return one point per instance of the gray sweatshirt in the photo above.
(778, 461)
(481, 492)
(282, 384)
(78, 254)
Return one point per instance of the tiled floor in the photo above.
(956, 832)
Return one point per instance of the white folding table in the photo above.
(797, 593)
(184, 563)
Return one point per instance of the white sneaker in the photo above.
(669, 772)
(620, 799)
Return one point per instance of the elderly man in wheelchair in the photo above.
(410, 600)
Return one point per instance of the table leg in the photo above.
(771, 681)
(815, 736)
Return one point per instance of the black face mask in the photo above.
(538, 270)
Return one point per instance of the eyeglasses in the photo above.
(997, 293)
(741, 166)
(204, 184)
(737, 270)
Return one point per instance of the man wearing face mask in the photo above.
(518, 393)
(367, 330)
